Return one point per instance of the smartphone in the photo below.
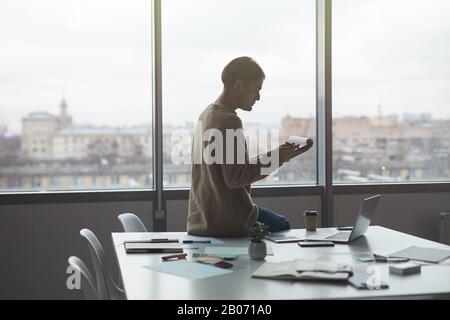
(223, 264)
(316, 244)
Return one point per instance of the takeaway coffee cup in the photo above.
(311, 217)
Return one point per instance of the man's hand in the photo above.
(288, 151)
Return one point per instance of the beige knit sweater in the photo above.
(219, 200)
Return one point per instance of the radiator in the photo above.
(444, 228)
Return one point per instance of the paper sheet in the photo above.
(232, 251)
(423, 254)
(188, 269)
(299, 140)
(226, 251)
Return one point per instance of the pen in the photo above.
(196, 241)
(380, 258)
(174, 257)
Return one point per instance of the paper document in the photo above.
(227, 251)
(423, 254)
(188, 269)
(232, 251)
(301, 141)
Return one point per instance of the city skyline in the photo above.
(189, 124)
(55, 152)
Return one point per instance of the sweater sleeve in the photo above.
(241, 172)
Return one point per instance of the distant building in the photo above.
(38, 130)
(383, 147)
(49, 137)
(53, 153)
(80, 142)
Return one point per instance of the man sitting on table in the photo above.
(219, 200)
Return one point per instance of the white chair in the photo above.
(106, 286)
(131, 223)
(87, 281)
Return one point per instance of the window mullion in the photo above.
(324, 108)
(159, 212)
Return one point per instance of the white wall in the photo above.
(413, 213)
(37, 240)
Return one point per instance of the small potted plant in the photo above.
(257, 248)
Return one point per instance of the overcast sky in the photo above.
(98, 53)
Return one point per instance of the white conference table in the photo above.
(142, 283)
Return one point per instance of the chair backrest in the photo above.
(131, 223)
(87, 281)
(106, 286)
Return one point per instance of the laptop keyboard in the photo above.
(339, 236)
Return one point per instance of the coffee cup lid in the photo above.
(311, 213)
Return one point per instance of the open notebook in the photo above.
(303, 270)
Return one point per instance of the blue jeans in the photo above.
(275, 221)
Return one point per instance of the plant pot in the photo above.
(257, 249)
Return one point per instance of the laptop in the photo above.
(362, 222)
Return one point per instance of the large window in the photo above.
(76, 88)
(391, 98)
(75, 94)
(200, 37)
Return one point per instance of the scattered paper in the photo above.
(423, 254)
(299, 140)
(188, 269)
(232, 252)
(226, 252)
(311, 256)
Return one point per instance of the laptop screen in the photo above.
(364, 216)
